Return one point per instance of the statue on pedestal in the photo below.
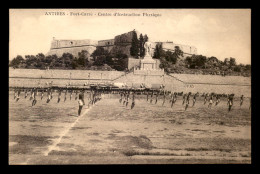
(148, 49)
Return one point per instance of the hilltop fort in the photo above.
(120, 43)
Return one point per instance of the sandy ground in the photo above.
(110, 133)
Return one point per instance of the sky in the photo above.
(222, 33)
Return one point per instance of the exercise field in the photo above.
(110, 133)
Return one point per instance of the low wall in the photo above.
(73, 74)
(149, 72)
(132, 62)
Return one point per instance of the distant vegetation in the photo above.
(99, 60)
(173, 62)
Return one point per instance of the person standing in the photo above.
(171, 97)
(217, 99)
(175, 97)
(25, 95)
(187, 101)
(121, 96)
(133, 100)
(205, 98)
(71, 94)
(194, 99)
(32, 93)
(210, 101)
(42, 94)
(172, 100)
(65, 95)
(241, 100)
(127, 97)
(188, 98)
(81, 103)
(230, 102)
(124, 96)
(18, 95)
(59, 95)
(156, 98)
(14, 93)
(34, 98)
(76, 95)
(49, 95)
(151, 100)
(164, 97)
(183, 99)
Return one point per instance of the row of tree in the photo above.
(100, 56)
(66, 61)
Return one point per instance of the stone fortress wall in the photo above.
(72, 50)
(106, 44)
(121, 43)
(59, 47)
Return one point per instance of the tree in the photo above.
(99, 52)
(158, 52)
(30, 60)
(232, 61)
(226, 61)
(40, 56)
(177, 52)
(16, 61)
(120, 55)
(120, 65)
(134, 50)
(146, 38)
(200, 60)
(164, 64)
(248, 67)
(101, 60)
(67, 59)
(237, 69)
(141, 45)
(109, 60)
(74, 63)
(50, 60)
(171, 57)
(83, 58)
(196, 61)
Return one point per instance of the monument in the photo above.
(148, 65)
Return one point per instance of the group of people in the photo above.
(94, 96)
(126, 96)
(186, 97)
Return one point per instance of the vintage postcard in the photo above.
(129, 86)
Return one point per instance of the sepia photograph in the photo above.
(129, 86)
